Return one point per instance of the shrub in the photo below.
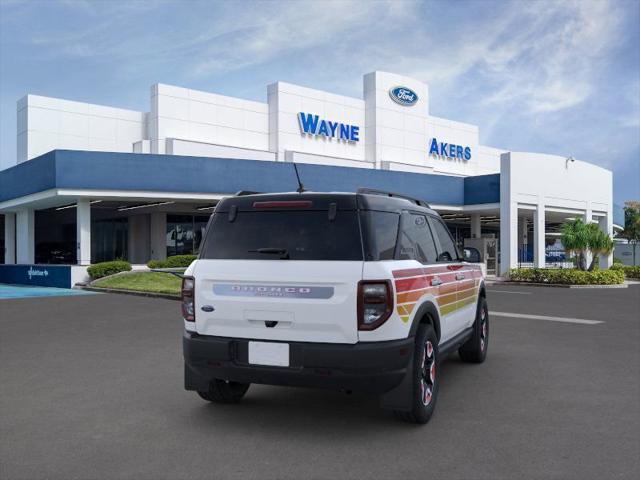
(629, 271)
(104, 269)
(632, 272)
(567, 276)
(175, 261)
(180, 261)
(155, 263)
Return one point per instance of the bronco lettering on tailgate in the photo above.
(285, 291)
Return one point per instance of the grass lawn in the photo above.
(144, 282)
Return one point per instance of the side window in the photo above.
(416, 242)
(447, 251)
(380, 232)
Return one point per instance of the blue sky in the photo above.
(557, 77)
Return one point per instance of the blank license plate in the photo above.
(267, 353)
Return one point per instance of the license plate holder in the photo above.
(269, 353)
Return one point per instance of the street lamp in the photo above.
(569, 159)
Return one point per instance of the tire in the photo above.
(426, 362)
(475, 349)
(221, 391)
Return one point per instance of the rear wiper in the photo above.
(284, 254)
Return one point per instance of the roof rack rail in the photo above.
(373, 191)
(242, 193)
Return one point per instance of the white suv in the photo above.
(356, 292)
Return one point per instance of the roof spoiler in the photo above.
(242, 193)
(373, 191)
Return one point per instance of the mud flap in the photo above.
(401, 397)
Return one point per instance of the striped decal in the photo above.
(412, 283)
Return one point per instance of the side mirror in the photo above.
(471, 255)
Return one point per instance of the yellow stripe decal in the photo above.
(452, 307)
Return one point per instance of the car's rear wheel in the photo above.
(475, 349)
(425, 379)
(222, 391)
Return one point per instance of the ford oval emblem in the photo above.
(403, 96)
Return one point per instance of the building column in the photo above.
(9, 238)
(508, 236)
(476, 226)
(158, 236)
(606, 225)
(25, 236)
(539, 237)
(83, 232)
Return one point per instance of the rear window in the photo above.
(274, 235)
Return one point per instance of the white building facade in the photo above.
(389, 129)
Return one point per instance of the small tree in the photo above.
(631, 231)
(600, 243)
(575, 239)
(580, 238)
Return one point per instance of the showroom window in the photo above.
(184, 234)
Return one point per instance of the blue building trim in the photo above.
(482, 189)
(174, 173)
(29, 177)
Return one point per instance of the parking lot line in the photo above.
(507, 291)
(543, 317)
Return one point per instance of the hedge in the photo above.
(629, 271)
(175, 261)
(567, 276)
(104, 269)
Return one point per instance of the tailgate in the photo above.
(287, 300)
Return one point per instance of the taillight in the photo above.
(375, 303)
(188, 302)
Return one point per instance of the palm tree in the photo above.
(575, 239)
(599, 243)
(579, 238)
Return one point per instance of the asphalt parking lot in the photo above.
(91, 387)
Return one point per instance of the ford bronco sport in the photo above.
(357, 292)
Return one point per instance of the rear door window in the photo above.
(447, 251)
(380, 234)
(291, 234)
(416, 242)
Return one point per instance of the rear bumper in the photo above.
(374, 367)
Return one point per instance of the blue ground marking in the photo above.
(25, 291)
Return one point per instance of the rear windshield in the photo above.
(276, 235)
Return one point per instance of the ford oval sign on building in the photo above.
(403, 96)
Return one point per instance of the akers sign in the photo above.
(449, 150)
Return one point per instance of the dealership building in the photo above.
(94, 183)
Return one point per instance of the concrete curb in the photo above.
(557, 285)
(166, 296)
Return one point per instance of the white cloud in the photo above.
(561, 49)
(321, 30)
